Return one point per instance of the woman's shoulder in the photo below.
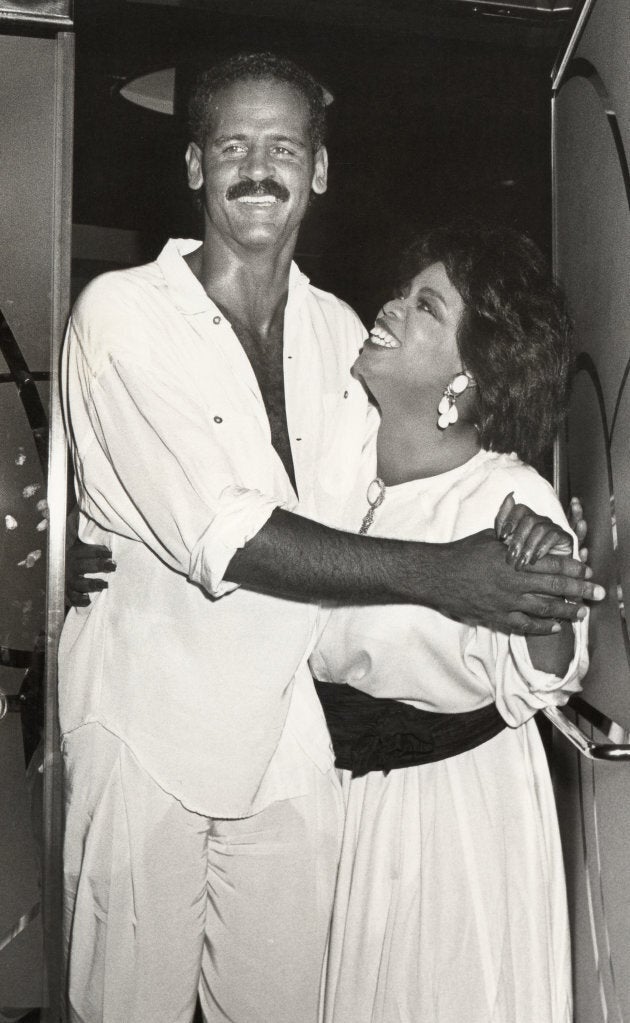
(506, 473)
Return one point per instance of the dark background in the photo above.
(438, 109)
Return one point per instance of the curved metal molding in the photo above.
(566, 54)
(612, 752)
(584, 364)
(581, 68)
(24, 380)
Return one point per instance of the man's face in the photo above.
(257, 167)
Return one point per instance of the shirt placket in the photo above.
(300, 386)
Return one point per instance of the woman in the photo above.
(451, 903)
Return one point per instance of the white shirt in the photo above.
(175, 471)
(414, 654)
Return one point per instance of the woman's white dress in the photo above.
(451, 904)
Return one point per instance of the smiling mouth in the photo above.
(258, 200)
(381, 337)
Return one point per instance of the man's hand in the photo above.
(82, 559)
(477, 585)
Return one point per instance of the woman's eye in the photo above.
(425, 306)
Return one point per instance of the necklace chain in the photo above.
(374, 503)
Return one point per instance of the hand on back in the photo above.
(82, 560)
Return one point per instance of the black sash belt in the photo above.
(370, 734)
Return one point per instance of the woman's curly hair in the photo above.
(514, 333)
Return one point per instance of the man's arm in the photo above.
(467, 579)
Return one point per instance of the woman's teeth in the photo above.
(381, 337)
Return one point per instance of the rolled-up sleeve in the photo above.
(521, 689)
(152, 463)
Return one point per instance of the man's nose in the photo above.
(257, 164)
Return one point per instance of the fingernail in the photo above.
(523, 560)
(588, 573)
(556, 627)
(599, 593)
(110, 566)
(582, 613)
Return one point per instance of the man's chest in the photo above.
(266, 357)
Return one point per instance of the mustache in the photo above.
(247, 187)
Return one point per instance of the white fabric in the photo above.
(162, 902)
(175, 471)
(450, 903)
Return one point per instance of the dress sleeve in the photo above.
(520, 688)
(148, 462)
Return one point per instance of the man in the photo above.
(213, 417)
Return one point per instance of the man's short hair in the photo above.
(514, 333)
(256, 67)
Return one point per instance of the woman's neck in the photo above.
(410, 446)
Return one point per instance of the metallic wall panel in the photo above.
(591, 229)
(609, 677)
(23, 524)
(26, 184)
(606, 45)
(567, 784)
(20, 893)
(591, 118)
(36, 75)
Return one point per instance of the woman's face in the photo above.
(413, 344)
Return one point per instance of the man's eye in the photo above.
(282, 151)
(234, 147)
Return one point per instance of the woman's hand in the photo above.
(81, 560)
(529, 536)
(579, 526)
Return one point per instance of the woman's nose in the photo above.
(393, 307)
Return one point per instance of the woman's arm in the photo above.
(552, 653)
(529, 537)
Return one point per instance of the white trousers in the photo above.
(162, 903)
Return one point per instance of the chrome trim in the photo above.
(566, 55)
(8, 703)
(58, 13)
(618, 749)
(19, 926)
(52, 903)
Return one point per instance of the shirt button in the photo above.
(345, 394)
(217, 320)
(218, 419)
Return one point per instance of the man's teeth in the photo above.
(383, 339)
(258, 200)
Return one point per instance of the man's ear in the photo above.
(193, 163)
(319, 184)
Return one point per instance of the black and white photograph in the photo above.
(315, 511)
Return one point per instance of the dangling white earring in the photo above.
(447, 409)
